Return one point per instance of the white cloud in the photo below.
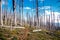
(47, 12)
(56, 14)
(45, 7)
(33, 10)
(27, 8)
(54, 18)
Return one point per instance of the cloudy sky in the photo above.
(30, 5)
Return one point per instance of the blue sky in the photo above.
(29, 5)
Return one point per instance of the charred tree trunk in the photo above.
(37, 13)
(14, 7)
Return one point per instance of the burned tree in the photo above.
(14, 7)
(19, 11)
(22, 12)
(5, 13)
(1, 19)
(37, 13)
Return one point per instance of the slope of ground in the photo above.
(27, 34)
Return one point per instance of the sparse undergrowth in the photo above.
(27, 34)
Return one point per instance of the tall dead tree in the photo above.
(53, 21)
(44, 16)
(14, 7)
(22, 12)
(32, 12)
(50, 17)
(37, 13)
(49, 23)
(58, 22)
(58, 1)
(35, 20)
(1, 13)
(27, 15)
(19, 10)
(5, 14)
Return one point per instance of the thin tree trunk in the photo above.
(14, 7)
(1, 12)
(22, 12)
(5, 12)
(37, 13)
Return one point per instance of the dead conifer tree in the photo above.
(22, 13)
(37, 13)
(19, 11)
(5, 14)
(14, 7)
(1, 13)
